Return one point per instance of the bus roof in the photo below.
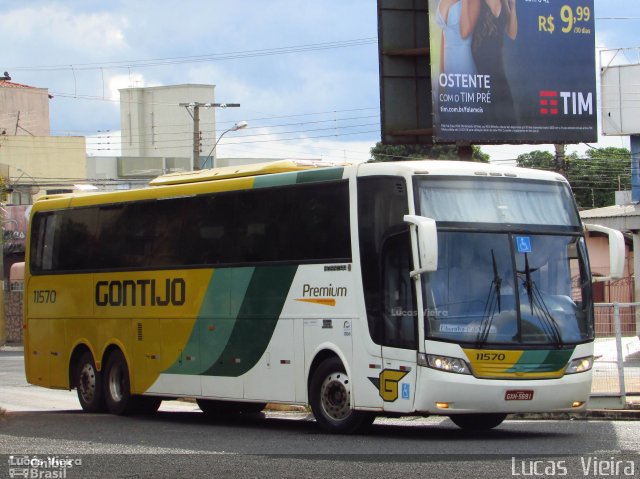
(241, 177)
(227, 172)
(455, 168)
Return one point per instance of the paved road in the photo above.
(180, 442)
(185, 444)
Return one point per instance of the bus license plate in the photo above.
(519, 395)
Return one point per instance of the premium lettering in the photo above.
(317, 291)
(141, 292)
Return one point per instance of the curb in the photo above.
(631, 412)
(11, 347)
(600, 415)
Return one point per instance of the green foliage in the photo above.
(594, 178)
(382, 152)
(538, 159)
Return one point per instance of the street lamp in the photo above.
(16, 182)
(238, 126)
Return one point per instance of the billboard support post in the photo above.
(635, 168)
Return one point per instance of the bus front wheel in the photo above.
(88, 382)
(330, 399)
(477, 422)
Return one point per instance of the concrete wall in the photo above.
(24, 111)
(13, 309)
(45, 161)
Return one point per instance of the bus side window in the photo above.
(77, 239)
(384, 257)
(398, 308)
(42, 242)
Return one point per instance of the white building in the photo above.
(156, 123)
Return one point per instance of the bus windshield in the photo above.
(498, 283)
(509, 288)
(496, 200)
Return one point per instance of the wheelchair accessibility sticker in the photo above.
(406, 390)
(523, 244)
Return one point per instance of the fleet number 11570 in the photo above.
(44, 296)
(490, 357)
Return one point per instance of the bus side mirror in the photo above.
(427, 236)
(616, 252)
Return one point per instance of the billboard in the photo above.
(620, 99)
(513, 71)
(405, 77)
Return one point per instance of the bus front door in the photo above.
(400, 331)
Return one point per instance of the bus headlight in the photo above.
(579, 365)
(445, 363)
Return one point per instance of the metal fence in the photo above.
(616, 371)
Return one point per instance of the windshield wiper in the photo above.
(493, 300)
(539, 308)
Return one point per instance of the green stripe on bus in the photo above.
(257, 319)
(308, 176)
(215, 322)
(220, 311)
(282, 179)
(322, 174)
(542, 361)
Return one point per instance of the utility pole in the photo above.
(196, 136)
(561, 166)
(193, 109)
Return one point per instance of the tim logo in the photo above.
(566, 102)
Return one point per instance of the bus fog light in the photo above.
(579, 365)
(445, 363)
(442, 405)
(577, 404)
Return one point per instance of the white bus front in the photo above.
(508, 313)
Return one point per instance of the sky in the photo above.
(305, 73)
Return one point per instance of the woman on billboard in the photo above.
(457, 18)
(497, 19)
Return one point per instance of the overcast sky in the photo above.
(305, 72)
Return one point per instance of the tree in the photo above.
(594, 178)
(382, 152)
(538, 159)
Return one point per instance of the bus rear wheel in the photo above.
(88, 382)
(330, 400)
(477, 422)
(117, 389)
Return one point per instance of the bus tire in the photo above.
(145, 405)
(330, 400)
(477, 422)
(117, 385)
(88, 383)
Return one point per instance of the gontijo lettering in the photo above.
(141, 292)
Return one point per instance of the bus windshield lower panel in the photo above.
(509, 289)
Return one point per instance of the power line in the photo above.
(211, 57)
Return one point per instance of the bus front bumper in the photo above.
(448, 393)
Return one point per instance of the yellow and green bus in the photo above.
(415, 288)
